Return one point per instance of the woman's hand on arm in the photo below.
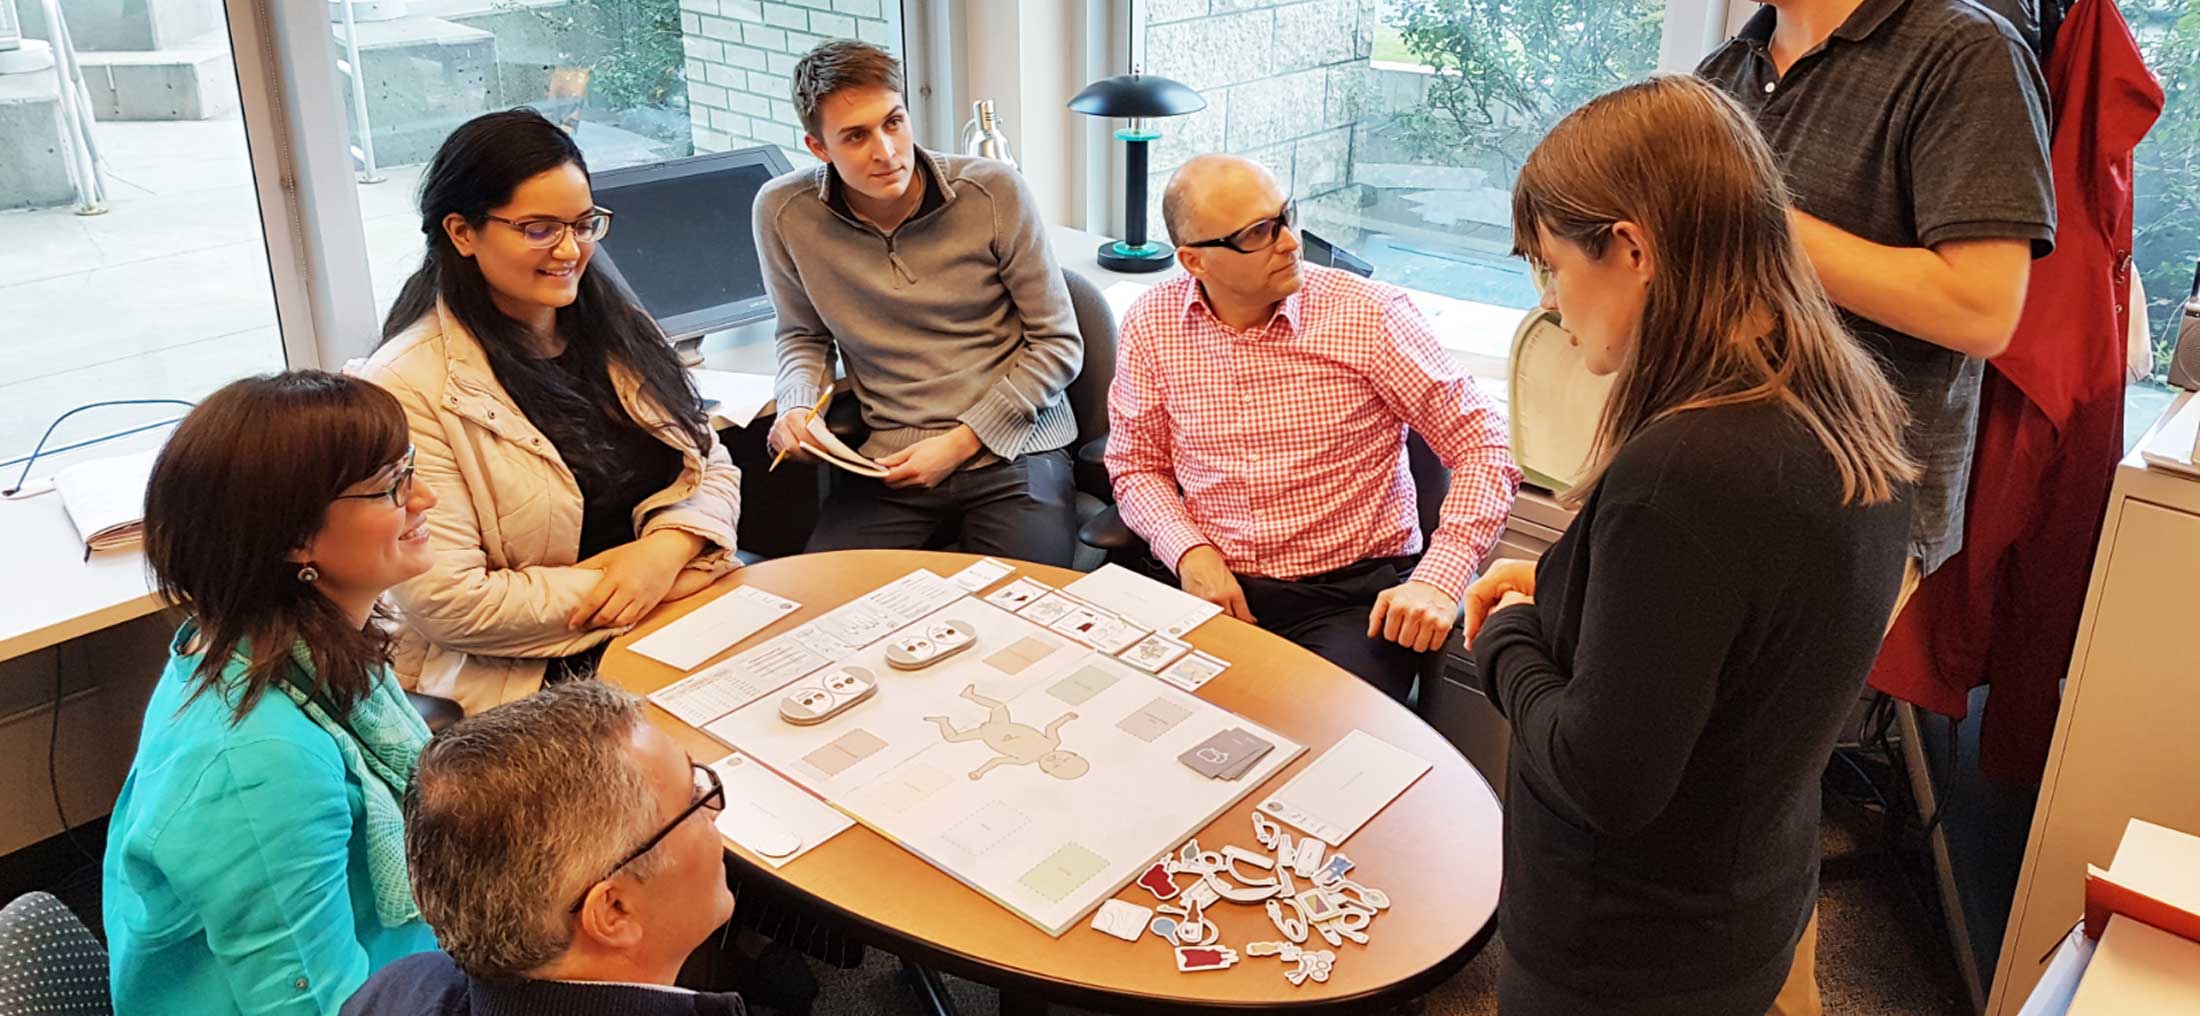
(1494, 591)
(636, 577)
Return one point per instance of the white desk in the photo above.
(53, 594)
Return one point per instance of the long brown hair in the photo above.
(246, 479)
(1734, 313)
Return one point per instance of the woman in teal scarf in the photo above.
(255, 860)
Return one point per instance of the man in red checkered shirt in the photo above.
(1257, 429)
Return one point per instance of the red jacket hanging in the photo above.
(2005, 611)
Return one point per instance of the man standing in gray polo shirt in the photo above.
(1914, 138)
(931, 277)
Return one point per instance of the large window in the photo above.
(635, 80)
(1399, 124)
(2166, 225)
(141, 273)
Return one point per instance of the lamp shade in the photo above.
(1137, 95)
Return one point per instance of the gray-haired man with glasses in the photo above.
(562, 847)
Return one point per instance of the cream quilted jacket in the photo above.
(478, 626)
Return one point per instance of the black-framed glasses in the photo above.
(710, 792)
(400, 489)
(1259, 236)
(543, 234)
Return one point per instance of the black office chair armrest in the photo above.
(1090, 469)
(1108, 532)
(437, 711)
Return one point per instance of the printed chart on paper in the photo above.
(1039, 772)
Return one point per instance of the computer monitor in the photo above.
(1321, 252)
(680, 239)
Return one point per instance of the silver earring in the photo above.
(309, 574)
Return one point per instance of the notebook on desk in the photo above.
(105, 499)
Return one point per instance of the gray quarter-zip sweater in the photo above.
(957, 316)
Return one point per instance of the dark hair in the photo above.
(478, 168)
(836, 64)
(246, 479)
(515, 810)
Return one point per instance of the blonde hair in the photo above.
(1734, 312)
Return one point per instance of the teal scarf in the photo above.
(381, 741)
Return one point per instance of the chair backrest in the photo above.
(1431, 482)
(1554, 401)
(1088, 395)
(50, 965)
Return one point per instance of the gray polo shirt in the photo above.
(1918, 122)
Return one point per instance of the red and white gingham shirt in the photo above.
(1288, 440)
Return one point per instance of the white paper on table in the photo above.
(824, 643)
(706, 630)
(859, 622)
(1336, 795)
(1193, 670)
(1146, 603)
(716, 691)
(740, 396)
(913, 596)
(980, 575)
(779, 660)
(764, 809)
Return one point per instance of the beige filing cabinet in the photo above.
(2127, 741)
(1454, 704)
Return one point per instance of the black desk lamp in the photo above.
(1137, 97)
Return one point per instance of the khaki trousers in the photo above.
(1799, 996)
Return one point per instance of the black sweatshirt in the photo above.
(1698, 634)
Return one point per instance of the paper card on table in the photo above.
(771, 817)
(1048, 608)
(1227, 754)
(1154, 652)
(1013, 596)
(1346, 786)
(1115, 635)
(913, 595)
(1193, 670)
(1080, 623)
(1122, 919)
(739, 396)
(1149, 604)
(859, 623)
(817, 640)
(708, 629)
(752, 674)
(981, 574)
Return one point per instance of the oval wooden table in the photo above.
(1434, 850)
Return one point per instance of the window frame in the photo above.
(288, 82)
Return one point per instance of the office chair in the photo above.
(50, 965)
(1088, 401)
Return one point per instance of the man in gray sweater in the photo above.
(931, 277)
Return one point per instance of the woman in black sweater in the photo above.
(1676, 666)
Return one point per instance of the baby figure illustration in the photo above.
(1015, 743)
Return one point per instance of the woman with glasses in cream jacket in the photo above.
(581, 482)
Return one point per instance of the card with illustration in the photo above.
(1154, 652)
